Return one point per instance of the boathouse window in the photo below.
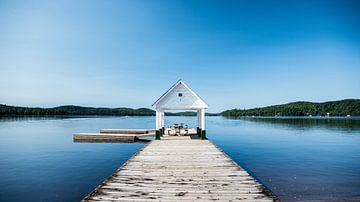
(180, 94)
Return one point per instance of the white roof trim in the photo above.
(174, 86)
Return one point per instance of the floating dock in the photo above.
(178, 168)
(126, 131)
(114, 135)
(96, 137)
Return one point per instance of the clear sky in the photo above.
(120, 53)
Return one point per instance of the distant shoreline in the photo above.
(347, 107)
(340, 108)
(70, 110)
(233, 118)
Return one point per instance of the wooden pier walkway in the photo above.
(180, 169)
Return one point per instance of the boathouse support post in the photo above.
(202, 119)
(198, 129)
(157, 120)
(202, 124)
(162, 116)
(158, 125)
(162, 113)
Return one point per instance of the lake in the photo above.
(299, 159)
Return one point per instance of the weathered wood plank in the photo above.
(180, 169)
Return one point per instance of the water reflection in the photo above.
(297, 158)
(341, 124)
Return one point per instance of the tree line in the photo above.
(332, 108)
(6, 110)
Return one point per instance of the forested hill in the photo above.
(6, 110)
(332, 108)
(71, 110)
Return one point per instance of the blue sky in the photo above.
(239, 54)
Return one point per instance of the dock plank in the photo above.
(180, 169)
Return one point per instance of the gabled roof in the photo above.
(173, 87)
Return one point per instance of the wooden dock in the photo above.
(96, 137)
(126, 131)
(180, 169)
(114, 135)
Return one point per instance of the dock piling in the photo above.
(157, 135)
(203, 135)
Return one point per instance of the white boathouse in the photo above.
(180, 97)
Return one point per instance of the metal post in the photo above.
(203, 135)
(157, 135)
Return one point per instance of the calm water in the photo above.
(298, 159)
